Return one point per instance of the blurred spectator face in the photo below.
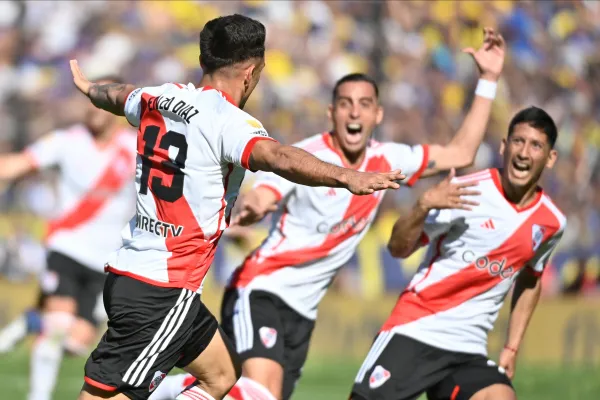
(354, 114)
(251, 79)
(97, 120)
(526, 152)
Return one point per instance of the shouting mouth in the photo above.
(521, 169)
(354, 130)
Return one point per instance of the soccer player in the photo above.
(270, 306)
(194, 145)
(95, 161)
(481, 243)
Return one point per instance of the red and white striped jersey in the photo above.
(95, 192)
(193, 145)
(317, 229)
(473, 259)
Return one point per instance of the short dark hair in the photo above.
(354, 77)
(228, 40)
(538, 119)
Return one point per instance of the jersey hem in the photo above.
(170, 285)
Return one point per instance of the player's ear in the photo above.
(551, 158)
(248, 74)
(379, 117)
(330, 112)
(502, 146)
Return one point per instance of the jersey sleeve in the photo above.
(47, 151)
(239, 137)
(543, 253)
(278, 185)
(135, 100)
(437, 223)
(412, 160)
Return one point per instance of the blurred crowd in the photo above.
(412, 48)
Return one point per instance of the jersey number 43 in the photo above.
(162, 166)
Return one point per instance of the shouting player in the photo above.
(194, 145)
(95, 162)
(271, 302)
(436, 337)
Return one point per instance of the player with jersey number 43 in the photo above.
(194, 145)
(486, 231)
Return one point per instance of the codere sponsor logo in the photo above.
(493, 267)
(156, 227)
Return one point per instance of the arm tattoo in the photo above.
(110, 97)
(431, 164)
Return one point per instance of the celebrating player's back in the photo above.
(435, 340)
(194, 145)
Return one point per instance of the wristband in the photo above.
(511, 349)
(486, 89)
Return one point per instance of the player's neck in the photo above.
(521, 197)
(223, 85)
(352, 160)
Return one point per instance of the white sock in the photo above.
(171, 386)
(252, 390)
(13, 333)
(194, 393)
(47, 354)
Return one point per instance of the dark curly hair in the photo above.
(228, 40)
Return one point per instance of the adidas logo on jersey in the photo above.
(378, 377)
(331, 192)
(489, 224)
(268, 336)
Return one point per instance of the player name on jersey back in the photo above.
(182, 109)
(472, 261)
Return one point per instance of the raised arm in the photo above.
(409, 228)
(301, 167)
(461, 150)
(110, 97)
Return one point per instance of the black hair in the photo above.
(354, 77)
(231, 39)
(538, 119)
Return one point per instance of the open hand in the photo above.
(449, 195)
(252, 209)
(490, 56)
(79, 78)
(362, 183)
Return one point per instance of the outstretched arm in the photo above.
(461, 150)
(110, 97)
(301, 167)
(15, 165)
(408, 229)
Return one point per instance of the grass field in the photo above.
(326, 380)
